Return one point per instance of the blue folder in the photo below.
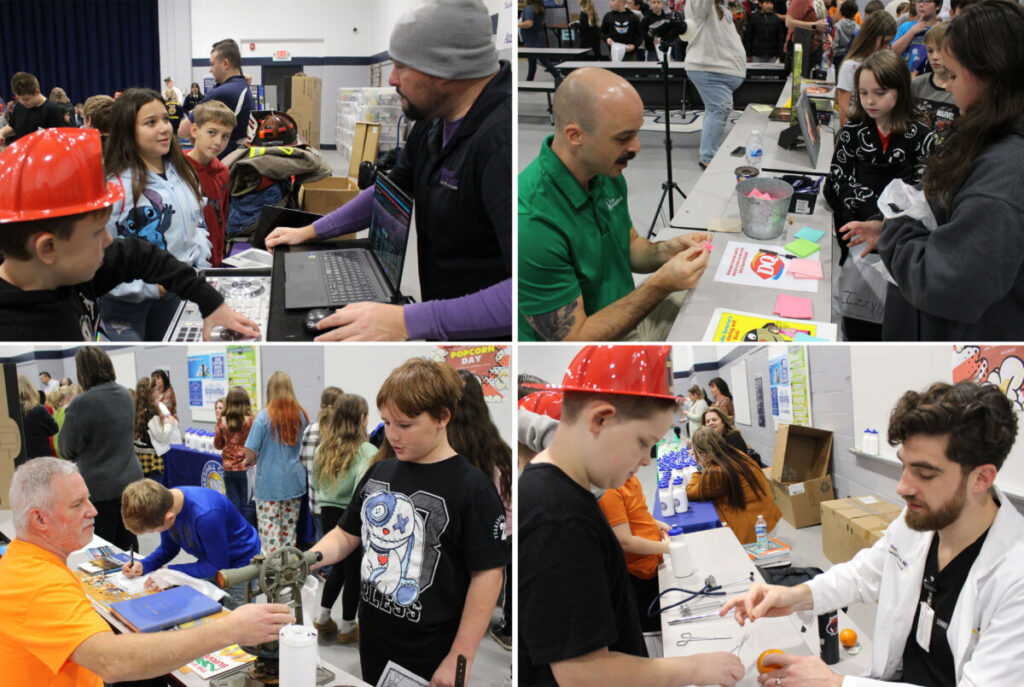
(164, 610)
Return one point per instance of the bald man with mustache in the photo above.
(578, 249)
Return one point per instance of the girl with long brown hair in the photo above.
(732, 481)
(162, 205)
(273, 447)
(155, 430)
(341, 459)
(230, 436)
(876, 34)
(964, 279)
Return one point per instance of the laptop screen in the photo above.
(389, 228)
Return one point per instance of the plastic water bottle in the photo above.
(679, 553)
(755, 149)
(665, 500)
(680, 502)
(761, 528)
(870, 441)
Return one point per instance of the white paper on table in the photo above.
(395, 675)
(132, 585)
(165, 577)
(745, 264)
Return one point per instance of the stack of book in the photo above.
(774, 555)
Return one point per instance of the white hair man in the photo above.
(49, 632)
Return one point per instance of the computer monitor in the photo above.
(389, 228)
(807, 117)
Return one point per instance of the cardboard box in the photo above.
(799, 473)
(12, 435)
(849, 525)
(327, 195)
(305, 109)
(364, 146)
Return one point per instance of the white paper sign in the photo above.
(795, 489)
(749, 264)
(505, 38)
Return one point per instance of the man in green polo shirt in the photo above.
(577, 245)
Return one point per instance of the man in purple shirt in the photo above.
(457, 166)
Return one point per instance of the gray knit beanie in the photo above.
(451, 39)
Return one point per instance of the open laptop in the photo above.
(332, 278)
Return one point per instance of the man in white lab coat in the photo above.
(948, 575)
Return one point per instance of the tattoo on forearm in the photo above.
(554, 325)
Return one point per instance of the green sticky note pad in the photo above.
(802, 247)
(809, 234)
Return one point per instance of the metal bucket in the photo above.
(763, 219)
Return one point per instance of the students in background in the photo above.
(845, 30)
(933, 103)
(733, 482)
(880, 142)
(37, 422)
(535, 35)
(162, 205)
(273, 447)
(307, 452)
(194, 97)
(230, 437)
(155, 430)
(589, 28)
(909, 40)
(965, 279)
(622, 26)
(163, 392)
(765, 39)
(341, 460)
(875, 34)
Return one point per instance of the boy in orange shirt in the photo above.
(643, 539)
(211, 129)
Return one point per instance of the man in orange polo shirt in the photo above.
(643, 539)
(50, 635)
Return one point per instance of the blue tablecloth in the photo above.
(700, 516)
(187, 467)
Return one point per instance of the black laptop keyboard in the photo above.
(346, 277)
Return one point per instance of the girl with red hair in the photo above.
(273, 446)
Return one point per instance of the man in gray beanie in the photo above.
(457, 165)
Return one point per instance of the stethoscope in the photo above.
(710, 588)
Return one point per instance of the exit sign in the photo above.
(282, 56)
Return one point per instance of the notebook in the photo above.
(332, 278)
(164, 610)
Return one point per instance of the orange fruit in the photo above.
(761, 667)
(847, 638)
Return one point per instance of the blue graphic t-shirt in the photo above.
(915, 55)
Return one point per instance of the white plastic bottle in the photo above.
(679, 553)
(870, 442)
(755, 149)
(761, 529)
(665, 501)
(680, 502)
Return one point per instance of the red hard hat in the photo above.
(628, 370)
(543, 403)
(54, 173)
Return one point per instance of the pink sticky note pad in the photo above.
(708, 246)
(805, 269)
(793, 306)
(760, 195)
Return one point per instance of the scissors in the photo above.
(688, 637)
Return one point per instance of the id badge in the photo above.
(925, 620)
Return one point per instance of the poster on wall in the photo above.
(759, 397)
(490, 364)
(799, 386)
(243, 371)
(778, 381)
(207, 380)
(999, 365)
(505, 36)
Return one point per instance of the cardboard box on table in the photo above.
(849, 525)
(799, 473)
(305, 109)
(329, 194)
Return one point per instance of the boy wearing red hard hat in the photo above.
(577, 617)
(58, 258)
